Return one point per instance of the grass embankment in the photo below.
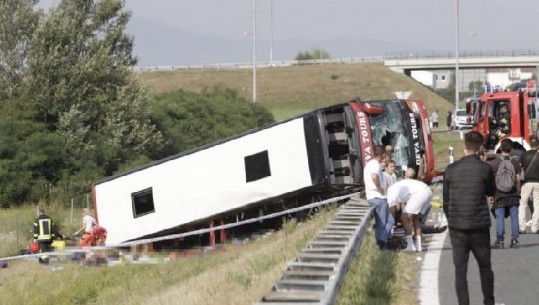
(442, 141)
(236, 275)
(290, 91)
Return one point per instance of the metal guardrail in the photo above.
(348, 60)
(462, 54)
(262, 64)
(316, 275)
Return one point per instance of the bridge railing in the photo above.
(347, 60)
(262, 64)
(462, 53)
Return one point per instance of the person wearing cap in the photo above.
(529, 161)
(44, 232)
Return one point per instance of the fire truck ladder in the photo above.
(316, 275)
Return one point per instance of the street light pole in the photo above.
(254, 51)
(473, 34)
(271, 33)
(457, 79)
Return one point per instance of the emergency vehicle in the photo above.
(522, 104)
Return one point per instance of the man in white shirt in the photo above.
(375, 191)
(88, 222)
(415, 197)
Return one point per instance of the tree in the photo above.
(23, 153)
(79, 77)
(188, 119)
(313, 54)
(84, 115)
(18, 21)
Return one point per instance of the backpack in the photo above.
(505, 176)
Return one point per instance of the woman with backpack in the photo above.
(507, 197)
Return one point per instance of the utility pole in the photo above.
(254, 51)
(271, 34)
(457, 78)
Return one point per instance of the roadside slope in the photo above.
(289, 91)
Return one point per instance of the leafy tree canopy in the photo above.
(313, 54)
(189, 119)
(71, 111)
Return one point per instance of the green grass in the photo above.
(289, 91)
(15, 229)
(240, 274)
(380, 277)
(16, 226)
(442, 141)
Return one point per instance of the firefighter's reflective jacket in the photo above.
(44, 229)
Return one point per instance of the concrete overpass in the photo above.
(467, 60)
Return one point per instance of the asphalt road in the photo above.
(516, 272)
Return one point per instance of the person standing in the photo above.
(466, 185)
(435, 118)
(388, 154)
(448, 119)
(530, 164)
(375, 192)
(44, 232)
(506, 201)
(389, 173)
(88, 223)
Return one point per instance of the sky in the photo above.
(187, 32)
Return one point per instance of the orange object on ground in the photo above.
(97, 237)
(34, 247)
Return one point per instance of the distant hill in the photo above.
(288, 91)
(158, 44)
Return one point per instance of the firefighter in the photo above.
(504, 122)
(44, 233)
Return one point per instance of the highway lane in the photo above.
(516, 272)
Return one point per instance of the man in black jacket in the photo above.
(467, 183)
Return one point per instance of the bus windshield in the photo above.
(392, 127)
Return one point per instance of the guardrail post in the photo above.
(451, 157)
(223, 234)
(212, 235)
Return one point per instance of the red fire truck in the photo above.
(506, 114)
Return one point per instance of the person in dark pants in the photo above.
(44, 233)
(467, 184)
(506, 202)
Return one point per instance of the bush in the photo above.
(188, 120)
